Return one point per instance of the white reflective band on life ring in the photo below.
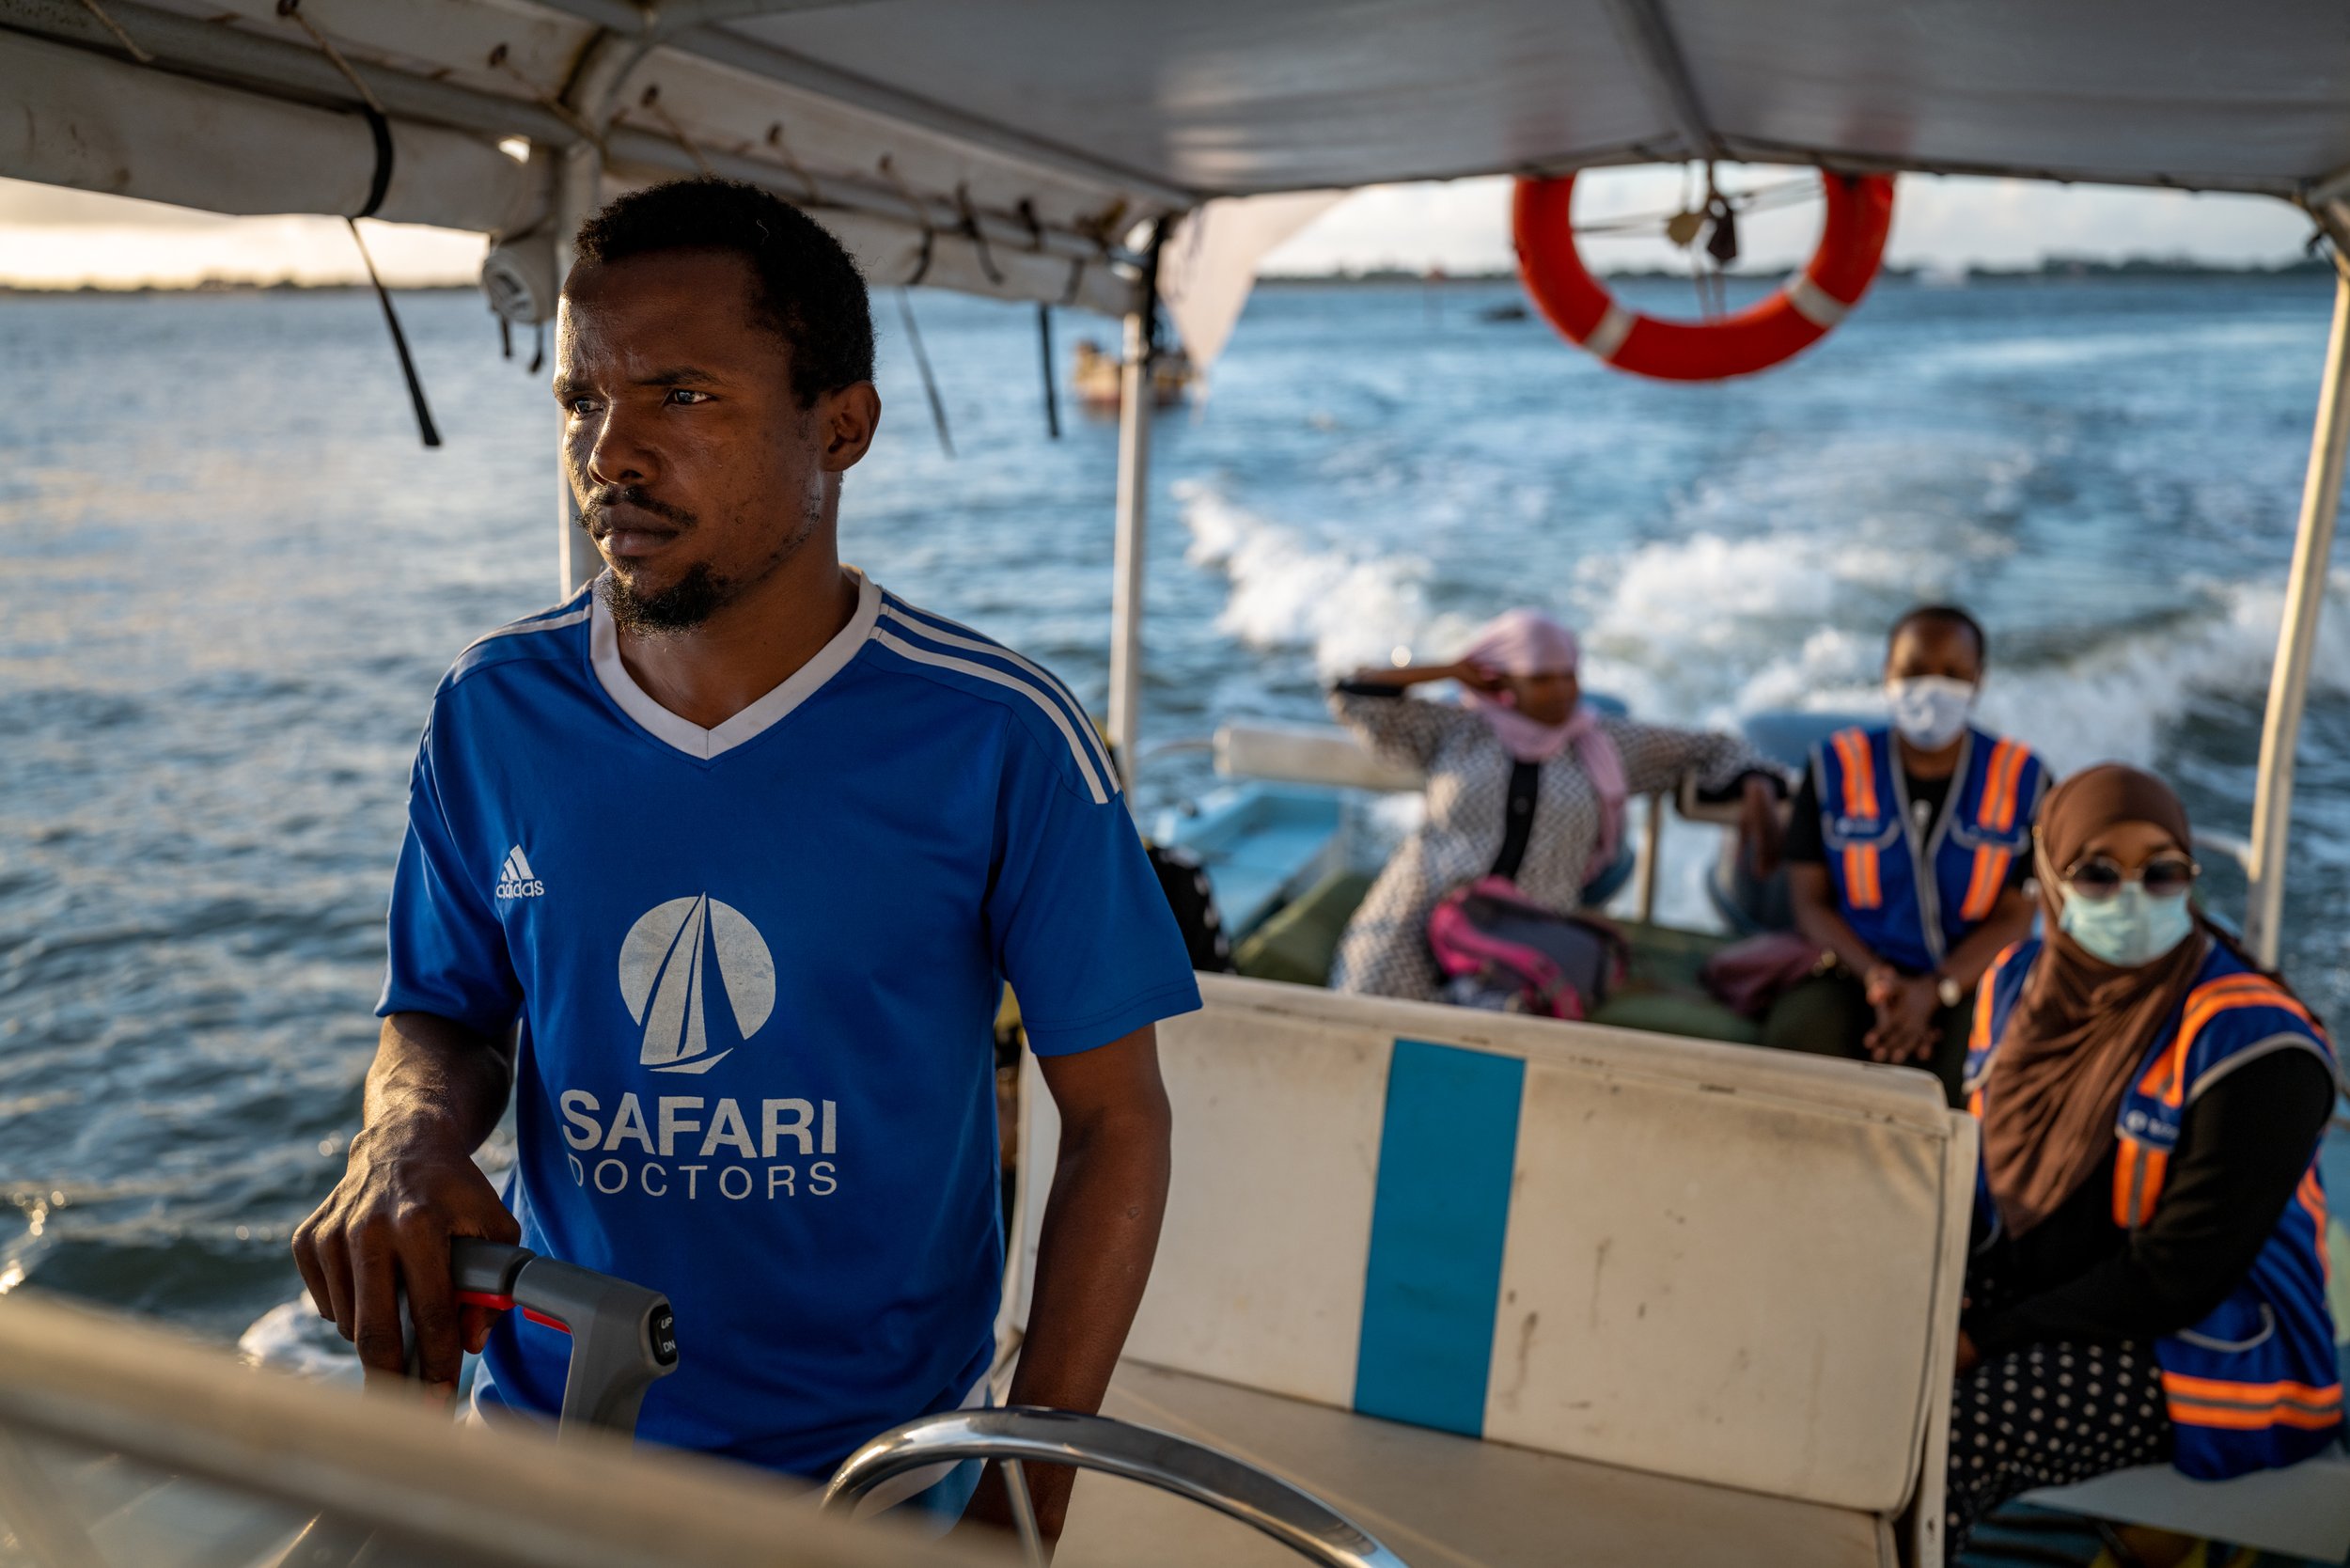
(1814, 303)
(1613, 329)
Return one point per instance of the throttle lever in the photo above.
(624, 1336)
(623, 1340)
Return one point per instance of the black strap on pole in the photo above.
(922, 363)
(377, 186)
(1044, 349)
(379, 183)
(1150, 291)
(971, 231)
(424, 426)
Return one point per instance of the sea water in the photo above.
(231, 577)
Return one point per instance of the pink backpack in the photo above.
(1501, 950)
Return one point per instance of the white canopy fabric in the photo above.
(1208, 261)
(1013, 147)
(1232, 97)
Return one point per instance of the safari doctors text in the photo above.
(691, 1148)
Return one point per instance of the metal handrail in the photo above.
(1024, 1433)
(1179, 743)
(78, 1381)
(2234, 845)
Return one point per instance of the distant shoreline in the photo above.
(2058, 269)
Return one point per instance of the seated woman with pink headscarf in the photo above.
(1525, 780)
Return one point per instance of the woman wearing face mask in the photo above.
(2147, 1279)
(1906, 860)
(1525, 780)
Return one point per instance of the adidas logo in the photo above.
(516, 880)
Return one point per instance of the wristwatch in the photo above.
(1948, 991)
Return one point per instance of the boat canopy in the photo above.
(1015, 148)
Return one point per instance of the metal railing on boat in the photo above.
(1020, 1436)
(124, 1446)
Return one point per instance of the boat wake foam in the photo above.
(291, 1337)
(1708, 627)
(1347, 605)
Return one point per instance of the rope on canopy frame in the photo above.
(379, 183)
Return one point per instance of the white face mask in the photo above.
(1930, 709)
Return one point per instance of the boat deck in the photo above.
(1436, 1500)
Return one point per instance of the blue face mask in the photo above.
(2128, 928)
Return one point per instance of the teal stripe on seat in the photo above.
(1438, 1225)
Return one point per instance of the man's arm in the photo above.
(1093, 1252)
(434, 1093)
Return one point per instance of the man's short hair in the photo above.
(809, 291)
(1948, 615)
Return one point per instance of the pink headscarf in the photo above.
(1527, 642)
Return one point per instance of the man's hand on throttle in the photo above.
(386, 1228)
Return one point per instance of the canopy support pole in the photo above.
(1134, 517)
(571, 200)
(2305, 601)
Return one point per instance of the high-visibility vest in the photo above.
(2255, 1385)
(1877, 859)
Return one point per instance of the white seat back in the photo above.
(1715, 1263)
(1307, 754)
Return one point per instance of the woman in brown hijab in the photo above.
(2148, 1278)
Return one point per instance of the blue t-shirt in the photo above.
(755, 970)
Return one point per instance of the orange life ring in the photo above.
(1852, 244)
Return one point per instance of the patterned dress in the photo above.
(1385, 950)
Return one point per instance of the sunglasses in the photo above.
(2099, 879)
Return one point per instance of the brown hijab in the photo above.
(2082, 1025)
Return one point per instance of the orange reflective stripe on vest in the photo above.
(2137, 1173)
(2310, 1195)
(2168, 1079)
(1861, 772)
(1979, 1037)
(1998, 809)
(1983, 885)
(1861, 890)
(2250, 1406)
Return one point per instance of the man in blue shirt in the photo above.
(719, 868)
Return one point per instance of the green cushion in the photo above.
(1661, 991)
(1665, 1012)
(1298, 942)
(1664, 959)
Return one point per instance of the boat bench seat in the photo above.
(1436, 1500)
(2303, 1512)
(1590, 1281)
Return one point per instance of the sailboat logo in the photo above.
(667, 964)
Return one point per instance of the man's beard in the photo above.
(699, 593)
(685, 604)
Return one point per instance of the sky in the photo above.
(51, 238)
